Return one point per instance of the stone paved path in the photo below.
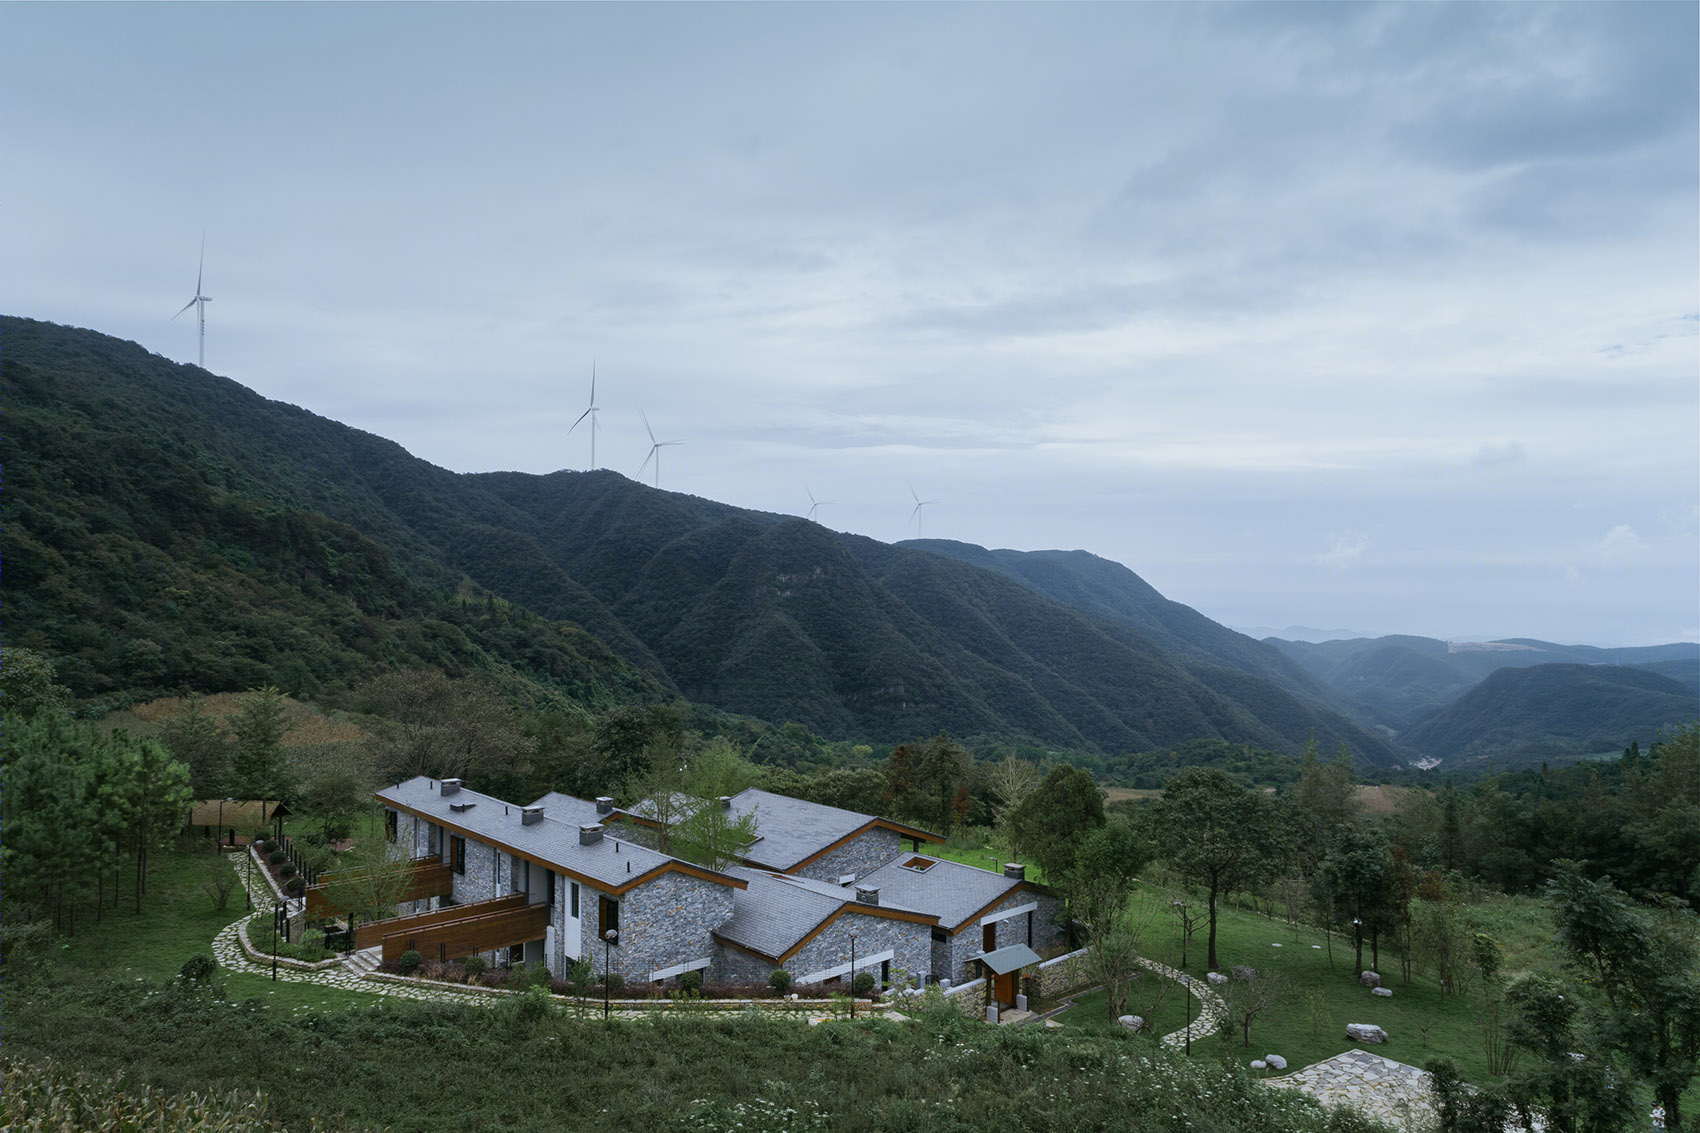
(351, 975)
(1392, 1091)
(1211, 1009)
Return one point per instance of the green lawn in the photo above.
(1310, 1023)
(178, 920)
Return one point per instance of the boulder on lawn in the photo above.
(1216, 977)
(1275, 1061)
(1259, 1064)
(1365, 1033)
(1370, 979)
(1384, 992)
(1131, 1022)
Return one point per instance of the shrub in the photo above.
(276, 856)
(779, 981)
(198, 968)
(269, 846)
(863, 984)
(613, 981)
(474, 966)
(409, 961)
(286, 870)
(690, 980)
(312, 943)
(295, 886)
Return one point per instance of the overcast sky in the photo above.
(1345, 316)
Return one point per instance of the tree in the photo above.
(1217, 835)
(256, 755)
(28, 685)
(1049, 826)
(198, 742)
(367, 882)
(710, 836)
(1573, 1082)
(1011, 781)
(446, 729)
(1322, 802)
(1250, 994)
(1647, 965)
(625, 738)
(929, 781)
(1357, 873)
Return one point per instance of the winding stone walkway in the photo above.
(1211, 1009)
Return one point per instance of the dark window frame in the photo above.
(392, 825)
(457, 853)
(608, 917)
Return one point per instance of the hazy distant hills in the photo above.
(1554, 709)
(1402, 680)
(155, 505)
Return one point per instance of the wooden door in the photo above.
(1003, 988)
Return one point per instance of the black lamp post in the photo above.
(1180, 910)
(852, 975)
(1358, 941)
(248, 876)
(277, 912)
(608, 939)
(1186, 984)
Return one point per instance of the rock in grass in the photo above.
(1365, 1033)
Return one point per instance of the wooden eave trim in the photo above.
(1021, 887)
(858, 907)
(871, 824)
(674, 866)
(745, 948)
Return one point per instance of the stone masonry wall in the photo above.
(662, 923)
(860, 856)
(969, 943)
(1059, 975)
(912, 944)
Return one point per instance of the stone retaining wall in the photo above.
(1064, 973)
(969, 998)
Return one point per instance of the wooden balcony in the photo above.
(431, 878)
(479, 928)
(372, 933)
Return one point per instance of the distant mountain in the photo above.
(1402, 680)
(579, 581)
(1552, 710)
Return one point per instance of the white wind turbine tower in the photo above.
(655, 448)
(201, 301)
(814, 504)
(916, 514)
(591, 413)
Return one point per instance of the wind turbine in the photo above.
(199, 300)
(814, 504)
(591, 413)
(916, 514)
(655, 448)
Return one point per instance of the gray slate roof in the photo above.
(1011, 958)
(610, 862)
(778, 910)
(950, 890)
(791, 829)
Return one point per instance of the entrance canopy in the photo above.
(1011, 959)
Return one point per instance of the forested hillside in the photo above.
(249, 541)
(1555, 710)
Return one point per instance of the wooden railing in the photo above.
(453, 939)
(431, 878)
(372, 933)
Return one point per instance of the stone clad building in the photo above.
(546, 882)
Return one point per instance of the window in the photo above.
(610, 910)
(940, 936)
(573, 911)
(457, 853)
(434, 838)
(549, 898)
(390, 819)
(920, 864)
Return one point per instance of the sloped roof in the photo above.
(609, 863)
(1012, 958)
(950, 890)
(777, 912)
(790, 831)
(567, 808)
